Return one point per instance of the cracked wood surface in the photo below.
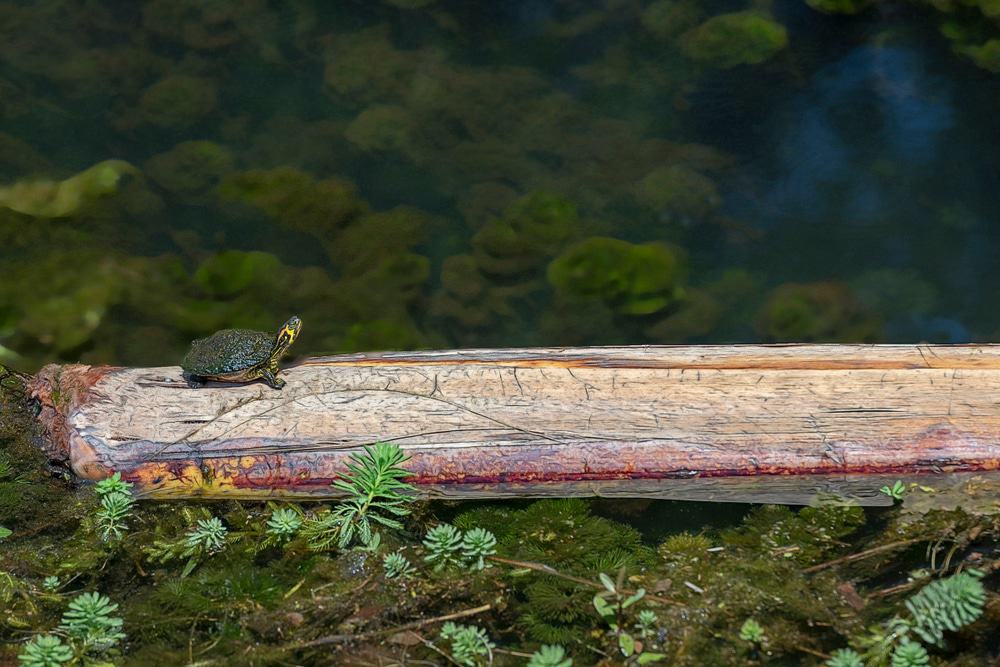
(766, 423)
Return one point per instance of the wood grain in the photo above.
(774, 423)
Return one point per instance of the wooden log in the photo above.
(779, 423)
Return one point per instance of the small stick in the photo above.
(548, 569)
(334, 639)
(861, 554)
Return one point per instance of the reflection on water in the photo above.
(417, 174)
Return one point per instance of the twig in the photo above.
(548, 569)
(334, 639)
(861, 554)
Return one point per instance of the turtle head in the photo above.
(287, 334)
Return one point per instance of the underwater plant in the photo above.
(470, 645)
(397, 566)
(444, 546)
(45, 651)
(740, 38)
(611, 604)
(550, 655)
(375, 496)
(631, 279)
(284, 523)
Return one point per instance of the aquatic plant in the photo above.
(910, 654)
(444, 546)
(376, 496)
(947, 605)
(470, 644)
(116, 507)
(206, 537)
(550, 656)
(284, 523)
(51, 583)
(176, 102)
(645, 623)
(817, 312)
(631, 279)
(45, 651)
(740, 38)
(611, 604)
(60, 199)
(89, 622)
(896, 491)
(5, 533)
(845, 657)
(397, 566)
(752, 631)
(477, 544)
(113, 484)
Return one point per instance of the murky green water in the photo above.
(423, 174)
(416, 173)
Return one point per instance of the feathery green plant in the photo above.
(550, 656)
(845, 657)
(209, 535)
(444, 546)
(283, 524)
(910, 654)
(45, 651)
(113, 484)
(89, 621)
(947, 604)
(752, 631)
(116, 506)
(376, 495)
(397, 566)
(469, 644)
(477, 544)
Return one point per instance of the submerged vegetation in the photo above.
(431, 173)
(549, 582)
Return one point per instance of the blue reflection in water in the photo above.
(875, 103)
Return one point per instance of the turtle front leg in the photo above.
(194, 381)
(268, 376)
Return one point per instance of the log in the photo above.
(777, 423)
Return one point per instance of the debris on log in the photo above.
(778, 423)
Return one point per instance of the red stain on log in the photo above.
(59, 390)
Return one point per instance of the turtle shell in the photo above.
(228, 351)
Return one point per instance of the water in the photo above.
(839, 189)
(413, 174)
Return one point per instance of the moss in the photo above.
(70, 197)
(840, 6)
(191, 170)
(821, 312)
(740, 38)
(177, 102)
(631, 279)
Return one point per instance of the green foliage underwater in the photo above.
(410, 174)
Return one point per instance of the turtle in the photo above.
(240, 355)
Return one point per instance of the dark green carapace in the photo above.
(240, 355)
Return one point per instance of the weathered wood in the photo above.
(767, 423)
